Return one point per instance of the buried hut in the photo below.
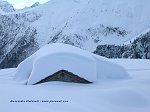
(61, 62)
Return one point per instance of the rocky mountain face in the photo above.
(82, 23)
(138, 49)
(17, 38)
(35, 4)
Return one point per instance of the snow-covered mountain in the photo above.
(32, 6)
(35, 4)
(6, 7)
(82, 23)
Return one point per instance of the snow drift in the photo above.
(119, 95)
(54, 57)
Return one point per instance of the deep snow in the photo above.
(130, 95)
(55, 57)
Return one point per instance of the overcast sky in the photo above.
(19, 4)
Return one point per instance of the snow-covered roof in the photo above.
(55, 57)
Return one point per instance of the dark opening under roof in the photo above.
(64, 76)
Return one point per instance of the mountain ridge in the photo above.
(81, 23)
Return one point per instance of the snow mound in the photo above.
(55, 57)
(109, 70)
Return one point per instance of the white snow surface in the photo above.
(130, 95)
(55, 57)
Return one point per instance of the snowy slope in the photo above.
(106, 95)
(82, 23)
(94, 21)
